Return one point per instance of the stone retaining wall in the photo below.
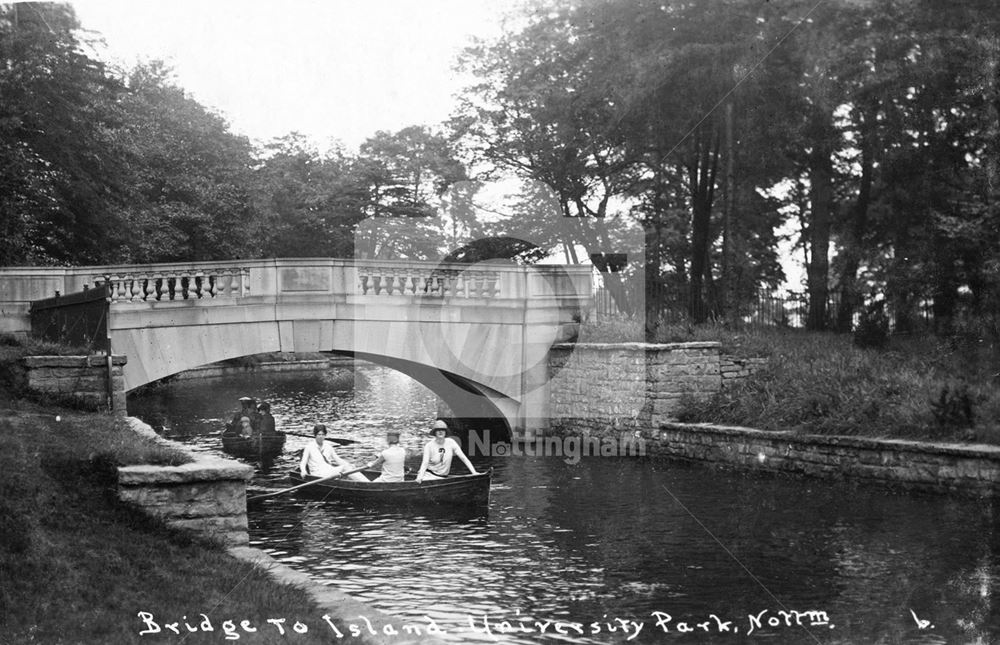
(290, 364)
(625, 394)
(910, 465)
(207, 496)
(735, 369)
(80, 380)
(627, 385)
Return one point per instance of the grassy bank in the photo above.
(77, 566)
(919, 387)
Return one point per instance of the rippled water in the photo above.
(608, 543)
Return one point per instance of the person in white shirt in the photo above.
(391, 459)
(321, 460)
(438, 454)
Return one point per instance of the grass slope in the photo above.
(77, 566)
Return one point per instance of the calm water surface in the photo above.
(609, 543)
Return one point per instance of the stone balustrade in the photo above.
(473, 282)
(177, 284)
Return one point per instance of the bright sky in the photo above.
(326, 68)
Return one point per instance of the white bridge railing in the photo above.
(434, 281)
(178, 284)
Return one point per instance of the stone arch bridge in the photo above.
(478, 335)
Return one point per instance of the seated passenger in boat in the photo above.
(266, 424)
(438, 454)
(321, 460)
(391, 459)
(246, 428)
(247, 409)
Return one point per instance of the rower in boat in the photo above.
(319, 459)
(266, 425)
(392, 460)
(438, 455)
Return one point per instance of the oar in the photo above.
(315, 481)
(336, 440)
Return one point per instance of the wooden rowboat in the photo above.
(456, 490)
(258, 447)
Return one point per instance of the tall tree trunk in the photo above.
(702, 185)
(850, 297)
(821, 196)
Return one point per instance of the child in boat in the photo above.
(246, 428)
(438, 454)
(321, 460)
(391, 459)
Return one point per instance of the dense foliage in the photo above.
(871, 126)
(104, 166)
(865, 130)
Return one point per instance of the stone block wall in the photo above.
(735, 369)
(911, 465)
(625, 394)
(627, 386)
(207, 496)
(81, 380)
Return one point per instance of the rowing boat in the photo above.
(254, 447)
(456, 490)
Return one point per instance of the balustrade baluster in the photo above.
(236, 277)
(116, 289)
(147, 288)
(132, 288)
(222, 280)
(199, 285)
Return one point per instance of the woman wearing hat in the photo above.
(248, 410)
(438, 454)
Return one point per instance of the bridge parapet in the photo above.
(222, 282)
(468, 330)
(176, 284)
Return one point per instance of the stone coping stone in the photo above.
(340, 607)
(976, 451)
(73, 361)
(203, 468)
(708, 344)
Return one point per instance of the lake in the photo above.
(606, 550)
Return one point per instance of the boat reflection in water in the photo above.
(262, 448)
